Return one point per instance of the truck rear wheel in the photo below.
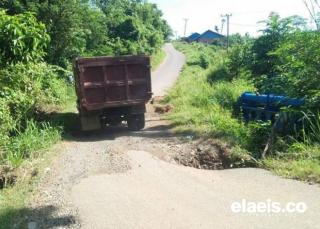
(136, 122)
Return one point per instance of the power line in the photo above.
(249, 12)
(244, 25)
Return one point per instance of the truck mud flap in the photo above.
(89, 123)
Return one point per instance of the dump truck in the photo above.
(111, 90)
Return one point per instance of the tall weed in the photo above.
(311, 128)
(27, 143)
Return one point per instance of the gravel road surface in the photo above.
(121, 179)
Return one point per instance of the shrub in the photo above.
(22, 38)
(227, 93)
(33, 138)
(219, 72)
(6, 121)
(311, 128)
(25, 88)
(299, 56)
(204, 61)
(239, 57)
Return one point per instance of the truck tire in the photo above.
(136, 122)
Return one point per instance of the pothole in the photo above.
(207, 154)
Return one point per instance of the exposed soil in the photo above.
(205, 154)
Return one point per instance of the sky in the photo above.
(206, 14)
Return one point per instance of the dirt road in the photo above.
(121, 179)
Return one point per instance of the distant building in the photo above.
(209, 37)
(193, 37)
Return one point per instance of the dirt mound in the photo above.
(208, 154)
(161, 109)
(158, 105)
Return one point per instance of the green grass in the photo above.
(36, 137)
(206, 107)
(157, 58)
(302, 169)
(31, 149)
(204, 101)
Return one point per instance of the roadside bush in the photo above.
(219, 72)
(22, 38)
(207, 108)
(299, 56)
(239, 57)
(204, 61)
(6, 121)
(227, 93)
(26, 143)
(25, 89)
(311, 128)
(284, 60)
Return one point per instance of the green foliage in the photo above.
(298, 67)
(284, 60)
(157, 58)
(33, 138)
(226, 94)
(63, 19)
(26, 89)
(6, 121)
(240, 57)
(208, 108)
(102, 27)
(136, 26)
(205, 103)
(22, 38)
(302, 169)
(258, 59)
(311, 128)
(203, 55)
(204, 61)
(97, 40)
(30, 87)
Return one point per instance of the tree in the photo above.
(22, 38)
(62, 19)
(138, 25)
(299, 58)
(263, 66)
(101, 27)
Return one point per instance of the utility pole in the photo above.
(185, 26)
(228, 28)
(222, 24)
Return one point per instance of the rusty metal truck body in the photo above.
(111, 90)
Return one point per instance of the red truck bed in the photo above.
(103, 82)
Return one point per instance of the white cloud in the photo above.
(205, 14)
